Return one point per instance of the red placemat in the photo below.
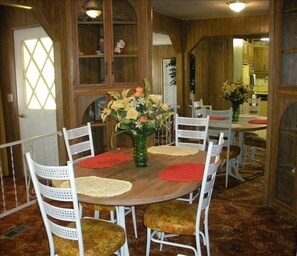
(258, 121)
(104, 160)
(183, 172)
(216, 118)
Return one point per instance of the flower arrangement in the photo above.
(236, 92)
(141, 113)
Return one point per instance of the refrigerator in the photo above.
(248, 76)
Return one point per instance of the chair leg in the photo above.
(134, 221)
(162, 234)
(80, 211)
(96, 214)
(227, 172)
(206, 234)
(148, 241)
(112, 218)
(191, 198)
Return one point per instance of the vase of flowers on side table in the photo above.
(237, 93)
(139, 114)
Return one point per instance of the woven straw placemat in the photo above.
(100, 187)
(236, 125)
(172, 150)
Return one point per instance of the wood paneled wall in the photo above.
(213, 58)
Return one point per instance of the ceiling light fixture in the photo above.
(237, 6)
(92, 8)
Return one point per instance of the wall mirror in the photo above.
(169, 81)
(222, 58)
(163, 56)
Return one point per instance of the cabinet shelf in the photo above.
(125, 56)
(125, 23)
(284, 51)
(90, 23)
(289, 11)
(91, 56)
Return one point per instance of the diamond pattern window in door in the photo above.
(39, 73)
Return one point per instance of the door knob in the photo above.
(21, 115)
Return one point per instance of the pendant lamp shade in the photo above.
(92, 9)
(237, 6)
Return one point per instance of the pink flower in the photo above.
(158, 117)
(138, 91)
(142, 119)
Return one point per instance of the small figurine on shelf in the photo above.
(91, 114)
(101, 47)
(120, 47)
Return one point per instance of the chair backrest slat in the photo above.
(79, 142)
(191, 131)
(220, 121)
(211, 166)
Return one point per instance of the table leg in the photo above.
(240, 142)
(240, 156)
(121, 221)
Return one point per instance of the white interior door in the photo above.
(35, 76)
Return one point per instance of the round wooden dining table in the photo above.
(147, 187)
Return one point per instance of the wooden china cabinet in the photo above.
(101, 67)
(281, 163)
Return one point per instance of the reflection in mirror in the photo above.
(163, 52)
(169, 81)
(218, 60)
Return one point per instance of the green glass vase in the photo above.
(236, 112)
(140, 150)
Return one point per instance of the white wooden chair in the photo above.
(175, 217)
(221, 121)
(254, 145)
(60, 213)
(254, 142)
(79, 145)
(254, 106)
(251, 107)
(197, 108)
(191, 132)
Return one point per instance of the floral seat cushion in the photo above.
(174, 217)
(234, 152)
(100, 238)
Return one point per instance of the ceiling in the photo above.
(199, 9)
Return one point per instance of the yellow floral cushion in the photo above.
(234, 152)
(100, 238)
(175, 217)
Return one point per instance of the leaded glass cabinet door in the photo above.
(125, 66)
(91, 46)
